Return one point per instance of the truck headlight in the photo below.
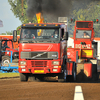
(55, 66)
(23, 70)
(55, 62)
(54, 70)
(22, 62)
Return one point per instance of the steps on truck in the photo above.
(10, 65)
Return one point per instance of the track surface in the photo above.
(13, 89)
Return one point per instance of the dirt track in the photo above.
(13, 89)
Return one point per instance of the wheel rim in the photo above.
(65, 73)
(6, 61)
(74, 76)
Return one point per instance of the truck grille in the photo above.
(39, 55)
(39, 63)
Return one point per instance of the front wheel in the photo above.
(23, 77)
(62, 76)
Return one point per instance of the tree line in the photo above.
(87, 12)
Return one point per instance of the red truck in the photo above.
(84, 51)
(44, 53)
(7, 47)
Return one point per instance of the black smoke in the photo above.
(48, 7)
(55, 8)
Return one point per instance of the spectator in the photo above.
(29, 35)
(85, 35)
(56, 35)
(4, 45)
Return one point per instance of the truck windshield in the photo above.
(6, 44)
(39, 34)
(83, 33)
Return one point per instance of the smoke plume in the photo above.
(55, 8)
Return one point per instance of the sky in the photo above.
(10, 22)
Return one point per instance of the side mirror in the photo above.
(14, 35)
(66, 36)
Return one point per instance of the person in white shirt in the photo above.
(56, 34)
(29, 35)
(85, 35)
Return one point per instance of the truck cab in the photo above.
(42, 50)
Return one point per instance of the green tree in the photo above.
(3, 34)
(89, 14)
(19, 11)
(18, 30)
(9, 32)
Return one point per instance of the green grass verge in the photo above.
(2, 75)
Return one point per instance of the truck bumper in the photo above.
(40, 66)
(39, 70)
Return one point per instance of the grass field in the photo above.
(3, 75)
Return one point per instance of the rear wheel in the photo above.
(98, 76)
(95, 75)
(74, 72)
(62, 77)
(23, 77)
(72, 78)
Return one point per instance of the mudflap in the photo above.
(84, 71)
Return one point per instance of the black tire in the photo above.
(72, 78)
(74, 72)
(62, 76)
(94, 72)
(5, 60)
(98, 76)
(23, 77)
